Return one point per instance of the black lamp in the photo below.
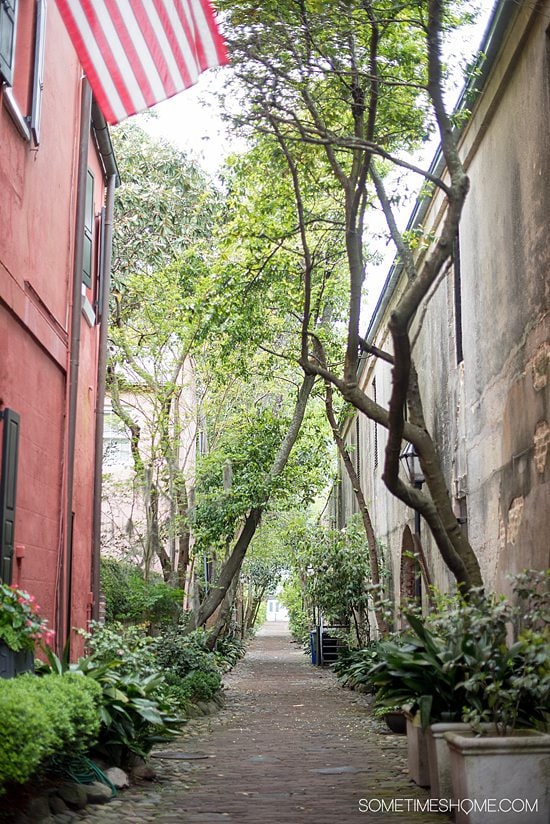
(410, 458)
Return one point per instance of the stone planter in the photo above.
(439, 764)
(14, 663)
(505, 775)
(417, 751)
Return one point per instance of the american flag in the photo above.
(136, 53)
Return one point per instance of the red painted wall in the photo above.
(38, 190)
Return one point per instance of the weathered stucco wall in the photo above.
(489, 414)
(505, 253)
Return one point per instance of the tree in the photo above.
(175, 306)
(163, 221)
(356, 84)
(331, 567)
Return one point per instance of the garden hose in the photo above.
(81, 770)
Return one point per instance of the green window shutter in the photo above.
(87, 253)
(8, 16)
(38, 75)
(101, 272)
(8, 488)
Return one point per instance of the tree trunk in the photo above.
(224, 617)
(361, 503)
(232, 566)
(184, 533)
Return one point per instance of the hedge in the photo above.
(40, 717)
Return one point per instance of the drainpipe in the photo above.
(100, 402)
(417, 522)
(65, 596)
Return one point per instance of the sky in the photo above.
(191, 121)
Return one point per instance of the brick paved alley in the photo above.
(290, 746)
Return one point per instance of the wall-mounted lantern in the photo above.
(410, 458)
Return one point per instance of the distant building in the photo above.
(275, 610)
(483, 347)
(56, 171)
(138, 512)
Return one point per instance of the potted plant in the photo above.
(21, 626)
(505, 754)
(414, 672)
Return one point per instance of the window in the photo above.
(38, 73)
(116, 443)
(101, 273)
(17, 100)
(8, 17)
(87, 252)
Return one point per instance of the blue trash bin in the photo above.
(313, 646)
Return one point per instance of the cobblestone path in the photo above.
(290, 746)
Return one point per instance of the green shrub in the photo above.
(43, 717)
(129, 597)
(299, 620)
(229, 650)
(136, 713)
(180, 654)
(135, 710)
(131, 646)
(353, 666)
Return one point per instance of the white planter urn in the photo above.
(417, 751)
(438, 757)
(504, 779)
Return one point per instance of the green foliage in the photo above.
(228, 651)
(298, 617)
(21, 625)
(331, 566)
(421, 672)
(164, 202)
(130, 646)
(458, 663)
(195, 686)
(43, 717)
(506, 683)
(250, 448)
(354, 665)
(135, 713)
(193, 672)
(249, 443)
(179, 654)
(261, 616)
(129, 597)
(135, 710)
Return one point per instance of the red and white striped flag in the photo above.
(136, 53)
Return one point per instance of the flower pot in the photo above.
(14, 663)
(504, 779)
(396, 721)
(439, 764)
(417, 751)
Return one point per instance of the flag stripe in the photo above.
(185, 37)
(109, 42)
(211, 39)
(139, 52)
(136, 48)
(145, 14)
(180, 40)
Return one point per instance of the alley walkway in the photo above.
(289, 747)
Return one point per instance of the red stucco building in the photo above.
(57, 179)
